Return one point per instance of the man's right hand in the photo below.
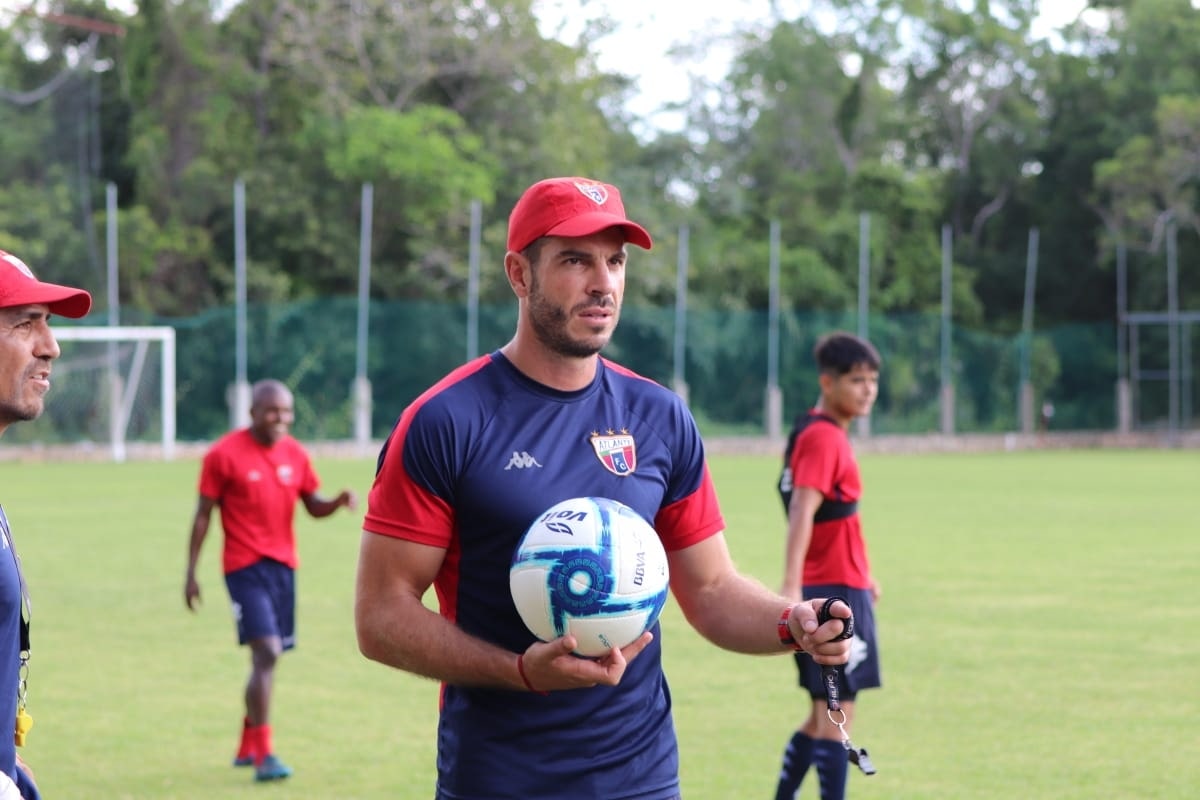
(191, 593)
(551, 666)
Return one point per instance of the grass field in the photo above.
(1039, 625)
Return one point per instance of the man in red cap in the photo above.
(27, 348)
(478, 457)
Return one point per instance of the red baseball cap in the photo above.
(570, 207)
(18, 287)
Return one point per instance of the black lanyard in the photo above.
(831, 677)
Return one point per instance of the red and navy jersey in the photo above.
(820, 457)
(469, 466)
(10, 642)
(257, 486)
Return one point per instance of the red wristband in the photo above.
(524, 677)
(785, 633)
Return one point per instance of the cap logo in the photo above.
(19, 264)
(594, 192)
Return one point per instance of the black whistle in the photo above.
(825, 614)
(860, 759)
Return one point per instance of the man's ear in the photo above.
(517, 268)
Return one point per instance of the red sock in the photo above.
(246, 748)
(262, 742)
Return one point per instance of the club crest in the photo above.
(616, 451)
(594, 192)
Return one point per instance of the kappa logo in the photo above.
(594, 192)
(858, 653)
(521, 460)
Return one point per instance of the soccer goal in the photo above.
(112, 386)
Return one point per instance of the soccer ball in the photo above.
(593, 568)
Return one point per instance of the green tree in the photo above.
(172, 58)
(801, 139)
(56, 85)
(970, 88)
(424, 153)
(504, 106)
(1146, 58)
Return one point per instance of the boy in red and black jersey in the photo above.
(825, 554)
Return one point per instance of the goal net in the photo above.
(112, 389)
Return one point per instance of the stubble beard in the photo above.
(549, 323)
(11, 412)
(22, 403)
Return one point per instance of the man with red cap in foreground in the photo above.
(477, 458)
(27, 348)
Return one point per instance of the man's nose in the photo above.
(47, 345)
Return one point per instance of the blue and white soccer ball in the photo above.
(591, 567)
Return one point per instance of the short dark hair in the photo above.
(534, 251)
(839, 352)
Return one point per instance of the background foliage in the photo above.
(920, 113)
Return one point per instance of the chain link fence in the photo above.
(311, 346)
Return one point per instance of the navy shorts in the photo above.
(263, 596)
(862, 671)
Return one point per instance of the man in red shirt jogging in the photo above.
(825, 554)
(255, 475)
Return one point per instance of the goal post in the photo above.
(120, 381)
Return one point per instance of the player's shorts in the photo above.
(862, 670)
(263, 596)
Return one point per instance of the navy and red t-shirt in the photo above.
(469, 466)
(11, 599)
